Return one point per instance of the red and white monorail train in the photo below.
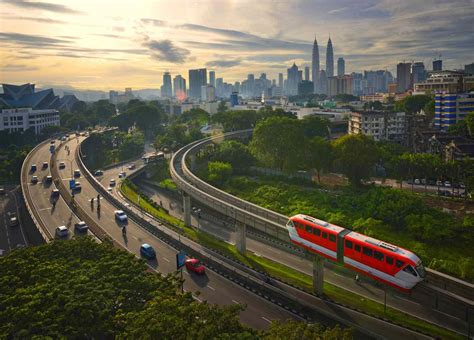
(382, 261)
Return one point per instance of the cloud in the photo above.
(166, 50)
(154, 22)
(46, 6)
(18, 68)
(223, 63)
(35, 19)
(30, 40)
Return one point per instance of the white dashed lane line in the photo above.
(264, 318)
(211, 288)
(164, 258)
(237, 302)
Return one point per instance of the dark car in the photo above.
(147, 251)
(81, 227)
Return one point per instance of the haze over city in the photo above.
(105, 45)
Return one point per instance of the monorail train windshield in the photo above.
(421, 270)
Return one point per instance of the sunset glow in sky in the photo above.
(90, 44)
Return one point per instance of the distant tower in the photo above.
(329, 60)
(212, 78)
(280, 80)
(306, 73)
(166, 89)
(315, 66)
(437, 65)
(341, 67)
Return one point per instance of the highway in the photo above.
(50, 216)
(11, 236)
(212, 287)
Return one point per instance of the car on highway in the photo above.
(112, 182)
(13, 220)
(110, 189)
(62, 165)
(63, 138)
(147, 251)
(447, 184)
(77, 173)
(122, 174)
(195, 266)
(81, 227)
(55, 193)
(131, 167)
(52, 141)
(120, 216)
(45, 165)
(48, 179)
(62, 231)
(77, 186)
(33, 168)
(34, 179)
(2, 191)
(98, 173)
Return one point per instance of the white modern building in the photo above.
(23, 119)
(390, 126)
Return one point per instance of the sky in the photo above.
(113, 44)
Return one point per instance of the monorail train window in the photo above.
(367, 251)
(309, 229)
(357, 247)
(332, 238)
(378, 255)
(409, 269)
(325, 235)
(399, 263)
(317, 232)
(389, 260)
(348, 244)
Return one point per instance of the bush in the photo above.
(218, 172)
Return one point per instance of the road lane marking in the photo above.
(211, 288)
(237, 302)
(45, 209)
(264, 318)
(164, 258)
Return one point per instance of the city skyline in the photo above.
(72, 44)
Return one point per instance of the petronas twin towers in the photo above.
(319, 79)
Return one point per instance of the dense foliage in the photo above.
(108, 148)
(83, 289)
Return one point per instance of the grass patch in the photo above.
(282, 272)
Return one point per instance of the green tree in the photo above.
(470, 123)
(294, 330)
(355, 156)
(315, 126)
(219, 172)
(222, 107)
(278, 142)
(412, 104)
(236, 120)
(376, 105)
(235, 153)
(319, 155)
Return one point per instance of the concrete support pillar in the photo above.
(240, 242)
(187, 209)
(193, 162)
(318, 274)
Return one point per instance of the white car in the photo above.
(62, 231)
(112, 182)
(120, 216)
(109, 189)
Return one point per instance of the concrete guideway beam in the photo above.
(187, 209)
(240, 241)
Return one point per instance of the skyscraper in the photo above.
(166, 89)
(323, 83)
(306, 73)
(315, 66)
(293, 80)
(179, 87)
(341, 67)
(418, 72)
(403, 77)
(212, 78)
(280, 80)
(437, 65)
(197, 78)
(329, 60)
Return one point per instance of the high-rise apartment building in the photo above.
(340, 85)
(404, 82)
(208, 93)
(166, 89)
(329, 59)
(437, 65)
(391, 126)
(197, 78)
(280, 80)
(212, 78)
(179, 87)
(341, 67)
(469, 69)
(323, 82)
(315, 66)
(451, 108)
